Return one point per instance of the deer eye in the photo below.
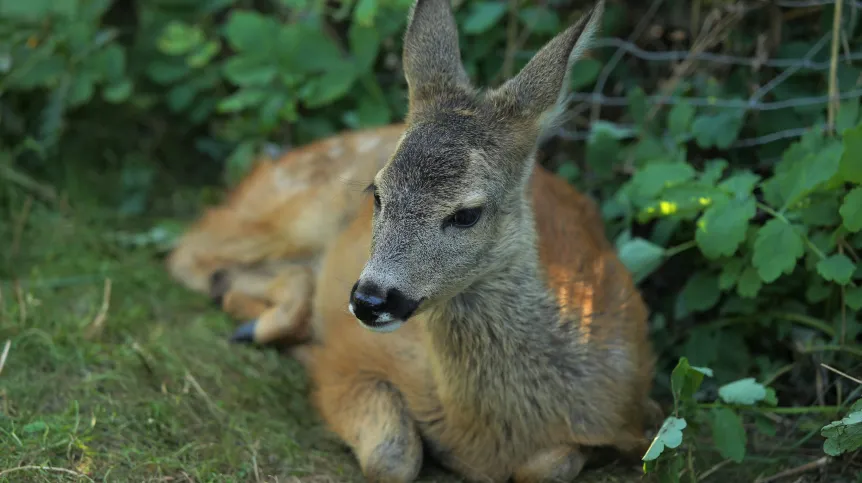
(465, 218)
(376, 199)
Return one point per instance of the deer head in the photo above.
(452, 203)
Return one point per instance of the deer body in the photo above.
(467, 302)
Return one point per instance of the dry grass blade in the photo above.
(46, 468)
(819, 463)
(5, 354)
(836, 371)
(98, 323)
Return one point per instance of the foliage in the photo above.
(744, 240)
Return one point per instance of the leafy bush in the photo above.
(734, 194)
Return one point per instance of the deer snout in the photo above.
(380, 309)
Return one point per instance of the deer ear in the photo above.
(539, 90)
(432, 56)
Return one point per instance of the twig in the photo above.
(833, 66)
(5, 354)
(795, 471)
(836, 371)
(45, 468)
(98, 322)
(712, 470)
(21, 179)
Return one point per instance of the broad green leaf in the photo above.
(853, 298)
(29, 10)
(364, 46)
(668, 436)
(679, 119)
(483, 16)
(730, 273)
(250, 31)
(836, 268)
(167, 73)
(744, 392)
(80, 91)
(34, 427)
(741, 184)
(242, 99)
(658, 175)
(851, 162)
(239, 162)
(718, 130)
(365, 12)
(700, 292)
(180, 97)
(713, 170)
(540, 19)
(848, 113)
(328, 87)
(637, 100)
(242, 71)
(641, 257)
(178, 38)
(851, 209)
(809, 173)
(749, 283)
(204, 54)
(777, 246)
(728, 433)
(119, 92)
(844, 435)
(723, 225)
(686, 379)
(584, 73)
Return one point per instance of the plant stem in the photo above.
(777, 410)
(676, 250)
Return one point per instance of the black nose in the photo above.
(374, 305)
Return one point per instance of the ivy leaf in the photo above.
(668, 436)
(776, 249)
(483, 16)
(836, 268)
(851, 210)
(728, 433)
(723, 225)
(851, 162)
(641, 257)
(658, 175)
(745, 392)
(845, 434)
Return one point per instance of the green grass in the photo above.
(154, 392)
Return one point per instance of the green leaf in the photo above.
(364, 46)
(851, 209)
(118, 92)
(741, 184)
(244, 71)
(328, 87)
(540, 20)
(853, 298)
(641, 257)
(700, 292)
(180, 97)
(807, 174)
(844, 435)
(669, 436)
(749, 283)
(836, 268)
(658, 175)
(166, 73)
(204, 54)
(679, 119)
(584, 73)
(718, 130)
(723, 226)
(848, 113)
(372, 112)
(777, 246)
(686, 379)
(29, 10)
(728, 433)
(483, 16)
(730, 273)
(242, 99)
(851, 162)
(178, 38)
(744, 392)
(249, 31)
(34, 427)
(712, 170)
(365, 12)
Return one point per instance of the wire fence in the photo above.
(596, 99)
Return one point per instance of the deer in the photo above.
(446, 295)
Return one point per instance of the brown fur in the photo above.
(530, 343)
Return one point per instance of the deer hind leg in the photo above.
(371, 417)
(558, 464)
(278, 302)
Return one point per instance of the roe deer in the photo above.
(467, 302)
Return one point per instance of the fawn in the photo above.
(465, 302)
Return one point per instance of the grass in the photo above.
(116, 373)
